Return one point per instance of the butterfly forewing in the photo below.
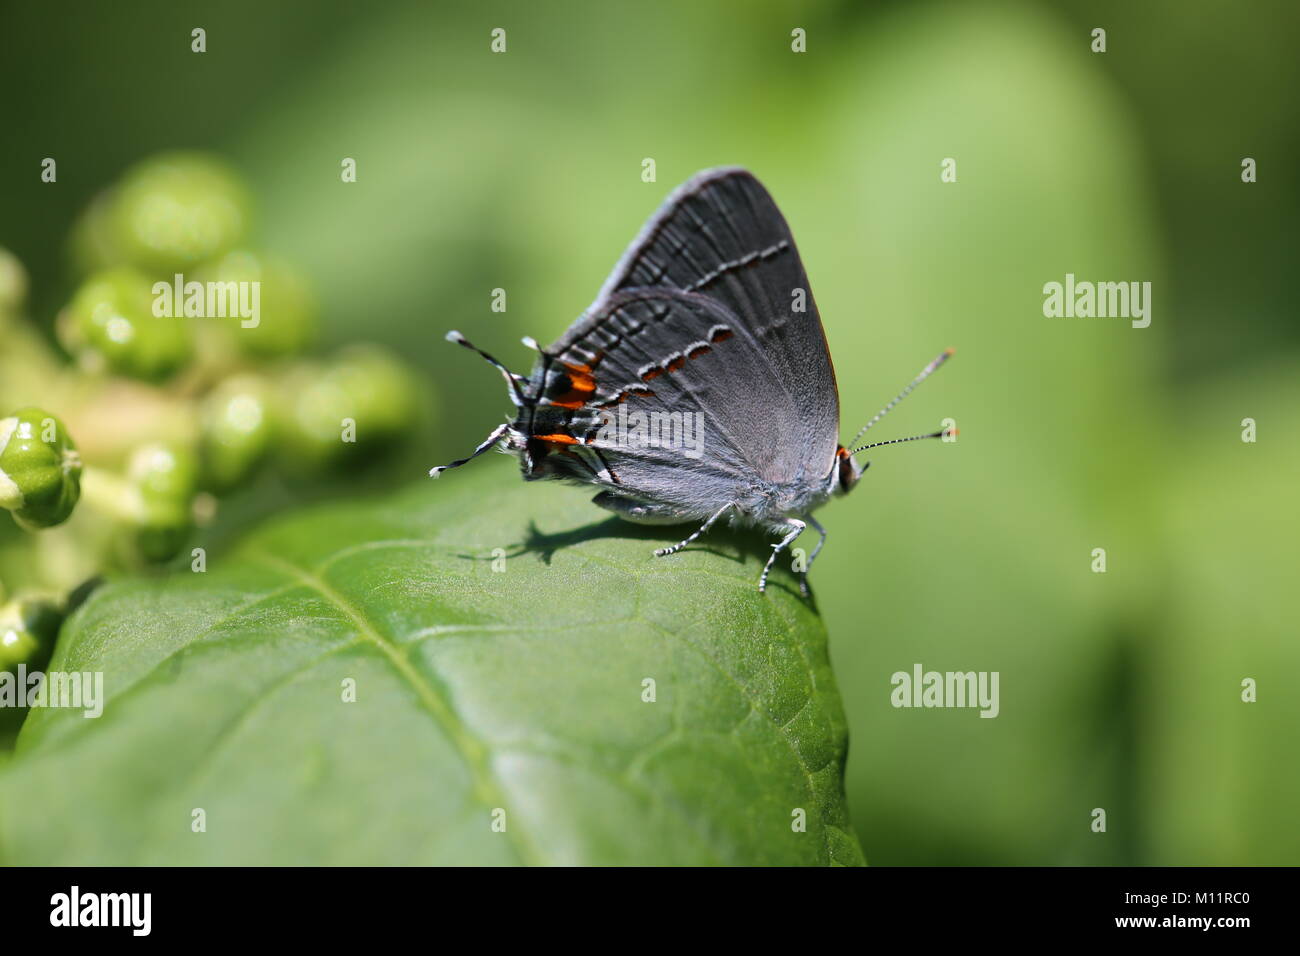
(710, 311)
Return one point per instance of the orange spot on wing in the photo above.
(581, 387)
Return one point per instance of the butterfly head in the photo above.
(846, 473)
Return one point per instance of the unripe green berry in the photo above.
(176, 210)
(110, 326)
(164, 478)
(40, 470)
(28, 630)
(351, 409)
(286, 308)
(235, 431)
(382, 388)
(311, 407)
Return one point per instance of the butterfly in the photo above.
(706, 329)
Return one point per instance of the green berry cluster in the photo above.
(179, 222)
(185, 366)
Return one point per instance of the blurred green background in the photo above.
(476, 171)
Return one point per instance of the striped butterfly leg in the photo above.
(803, 580)
(662, 552)
(648, 512)
(796, 528)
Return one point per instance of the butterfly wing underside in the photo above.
(708, 312)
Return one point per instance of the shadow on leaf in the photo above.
(732, 544)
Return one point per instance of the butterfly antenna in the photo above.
(944, 433)
(484, 445)
(511, 377)
(925, 373)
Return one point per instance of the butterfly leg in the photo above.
(796, 528)
(662, 552)
(803, 581)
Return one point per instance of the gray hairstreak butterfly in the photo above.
(698, 386)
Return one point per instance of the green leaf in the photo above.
(476, 689)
